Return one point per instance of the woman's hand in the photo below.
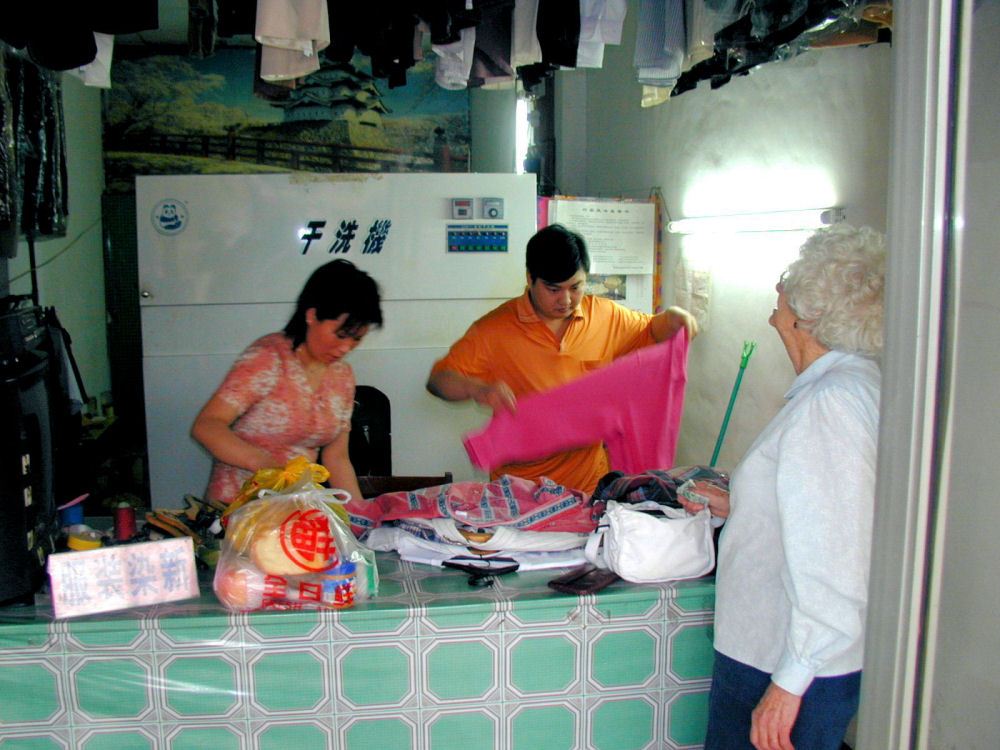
(338, 462)
(718, 499)
(773, 719)
(213, 429)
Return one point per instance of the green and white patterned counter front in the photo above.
(431, 664)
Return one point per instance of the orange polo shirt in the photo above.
(512, 344)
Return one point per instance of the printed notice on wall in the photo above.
(620, 235)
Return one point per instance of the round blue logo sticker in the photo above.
(170, 216)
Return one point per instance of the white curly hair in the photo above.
(836, 286)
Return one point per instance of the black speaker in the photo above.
(27, 495)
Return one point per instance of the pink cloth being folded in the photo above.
(633, 406)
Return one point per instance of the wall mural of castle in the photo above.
(172, 114)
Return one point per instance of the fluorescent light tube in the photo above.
(770, 221)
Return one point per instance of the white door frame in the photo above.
(930, 39)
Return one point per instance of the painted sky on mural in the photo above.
(420, 96)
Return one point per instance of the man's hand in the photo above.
(452, 386)
(686, 319)
(670, 321)
(498, 396)
(773, 719)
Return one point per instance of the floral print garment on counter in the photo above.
(279, 409)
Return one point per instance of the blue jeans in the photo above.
(827, 707)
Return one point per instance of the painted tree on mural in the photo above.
(170, 114)
(161, 94)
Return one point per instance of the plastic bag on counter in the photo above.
(293, 550)
(299, 472)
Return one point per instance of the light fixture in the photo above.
(769, 221)
(522, 134)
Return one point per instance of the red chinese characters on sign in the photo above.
(306, 540)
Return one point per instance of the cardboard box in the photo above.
(124, 576)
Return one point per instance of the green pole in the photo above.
(748, 348)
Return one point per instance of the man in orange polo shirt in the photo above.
(548, 336)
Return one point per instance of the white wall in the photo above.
(491, 120)
(71, 268)
(811, 131)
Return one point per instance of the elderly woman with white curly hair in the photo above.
(792, 575)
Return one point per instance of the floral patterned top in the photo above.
(279, 409)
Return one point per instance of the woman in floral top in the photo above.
(291, 393)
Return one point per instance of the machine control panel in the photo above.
(478, 238)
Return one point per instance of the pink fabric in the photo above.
(507, 501)
(633, 406)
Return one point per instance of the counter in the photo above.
(432, 663)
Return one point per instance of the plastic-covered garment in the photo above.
(656, 485)
(39, 163)
(767, 30)
(704, 18)
(292, 551)
(9, 197)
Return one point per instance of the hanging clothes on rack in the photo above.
(291, 34)
(772, 30)
(660, 42)
(39, 155)
(601, 23)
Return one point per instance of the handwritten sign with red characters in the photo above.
(129, 575)
(306, 540)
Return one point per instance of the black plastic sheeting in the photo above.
(33, 187)
(767, 31)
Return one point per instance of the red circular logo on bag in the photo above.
(306, 540)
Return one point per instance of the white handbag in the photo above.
(667, 544)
